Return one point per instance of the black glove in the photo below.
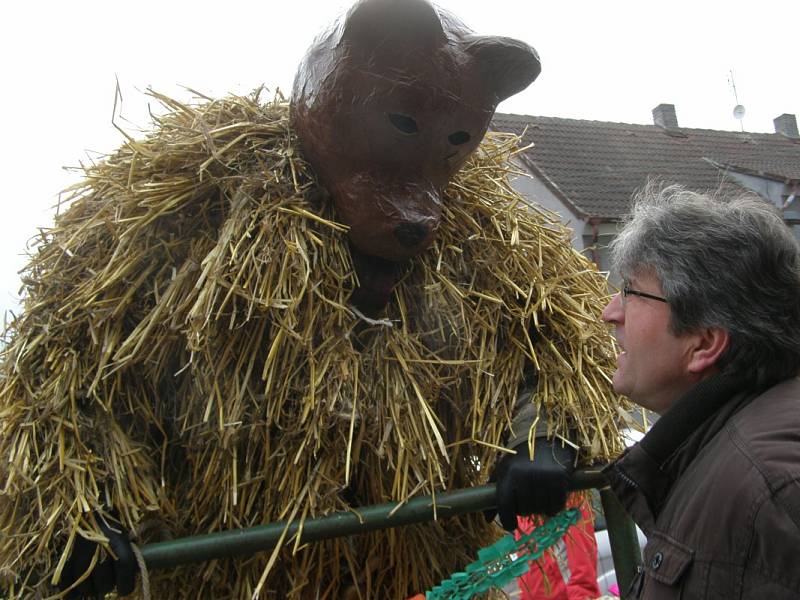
(526, 487)
(107, 576)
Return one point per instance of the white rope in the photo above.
(363, 317)
(143, 570)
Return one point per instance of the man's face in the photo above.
(652, 367)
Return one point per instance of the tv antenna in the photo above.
(738, 110)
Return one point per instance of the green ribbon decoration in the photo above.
(504, 561)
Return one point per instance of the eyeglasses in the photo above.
(628, 291)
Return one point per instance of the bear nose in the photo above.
(411, 234)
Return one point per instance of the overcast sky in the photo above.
(610, 61)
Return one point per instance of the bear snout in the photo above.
(411, 234)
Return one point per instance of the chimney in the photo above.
(664, 116)
(786, 125)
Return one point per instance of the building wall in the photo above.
(776, 192)
(596, 239)
(593, 240)
(535, 191)
(590, 240)
(769, 189)
(766, 188)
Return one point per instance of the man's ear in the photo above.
(711, 344)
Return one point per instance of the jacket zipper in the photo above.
(635, 588)
(624, 476)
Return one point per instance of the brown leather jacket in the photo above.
(715, 486)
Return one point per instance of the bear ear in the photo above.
(508, 65)
(371, 24)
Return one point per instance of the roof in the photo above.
(595, 166)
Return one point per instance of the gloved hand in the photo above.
(526, 487)
(107, 576)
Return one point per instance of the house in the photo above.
(587, 171)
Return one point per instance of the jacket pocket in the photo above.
(666, 562)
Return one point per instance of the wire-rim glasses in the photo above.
(629, 291)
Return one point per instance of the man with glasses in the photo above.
(708, 326)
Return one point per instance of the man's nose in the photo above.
(613, 312)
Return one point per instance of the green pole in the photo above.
(359, 520)
(623, 539)
(223, 544)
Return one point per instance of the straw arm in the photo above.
(200, 548)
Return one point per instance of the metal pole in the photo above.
(359, 520)
(223, 544)
(623, 539)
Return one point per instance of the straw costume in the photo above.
(189, 358)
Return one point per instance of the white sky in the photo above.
(611, 61)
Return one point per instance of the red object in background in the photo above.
(581, 564)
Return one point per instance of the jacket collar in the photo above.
(643, 476)
(689, 413)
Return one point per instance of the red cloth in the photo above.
(581, 561)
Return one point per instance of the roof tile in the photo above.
(595, 166)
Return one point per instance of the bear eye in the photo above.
(458, 138)
(404, 123)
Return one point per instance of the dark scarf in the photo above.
(665, 452)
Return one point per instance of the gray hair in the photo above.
(728, 263)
